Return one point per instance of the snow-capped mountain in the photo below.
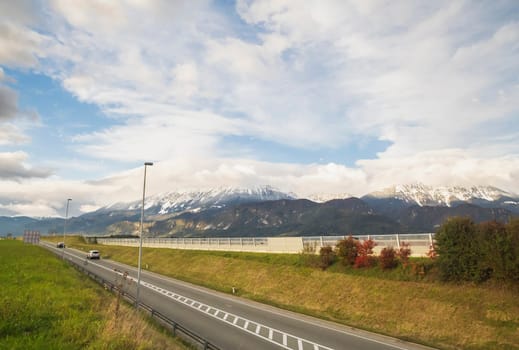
(266, 210)
(325, 197)
(423, 195)
(200, 200)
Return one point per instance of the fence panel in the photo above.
(419, 243)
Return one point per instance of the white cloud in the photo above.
(437, 80)
(19, 46)
(96, 16)
(167, 133)
(11, 135)
(446, 167)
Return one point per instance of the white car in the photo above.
(93, 254)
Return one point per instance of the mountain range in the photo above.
(266, 211)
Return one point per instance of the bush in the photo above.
(403, 253)
(494, 250)
(347, 250)
(387, 258)
(327, 257)
(365, 254)
(459, 254)
(512, 253)
(469, 252)
(499, 245)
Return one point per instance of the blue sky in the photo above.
(313, 97)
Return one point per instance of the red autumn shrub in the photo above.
(404, 253)
(365, 254)
(387, 258)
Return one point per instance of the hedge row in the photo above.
(478, 252)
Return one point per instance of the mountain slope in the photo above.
(286, 217)
(428, 218)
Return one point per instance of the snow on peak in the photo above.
(427, 195)
(325, 197)
(196, 200)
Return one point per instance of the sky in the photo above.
(310, 97)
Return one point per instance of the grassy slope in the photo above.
(443, 315)
(47, 304)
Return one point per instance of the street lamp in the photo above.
(65, 229)
(140, 236)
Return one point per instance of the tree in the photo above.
(458, 253)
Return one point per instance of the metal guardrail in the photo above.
(177, 329)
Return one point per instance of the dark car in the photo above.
(60, 245)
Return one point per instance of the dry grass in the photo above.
(443, 315)
(133, 331)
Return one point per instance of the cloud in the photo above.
(436, 81)
(21, 11)
(19, 46)
(10, 134)
(415, 80)
(38, 208)
(180, 132)
(446, 167)
(8, 103)
(48, 196)
(13, 119)
(13, 167)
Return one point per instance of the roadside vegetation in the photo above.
(46, 304)
(393, 294)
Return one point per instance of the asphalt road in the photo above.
(231, 322)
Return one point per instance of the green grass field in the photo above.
(46, 304)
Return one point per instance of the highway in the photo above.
(231, 322)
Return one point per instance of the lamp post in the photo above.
(140, 236)
(65, 229)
